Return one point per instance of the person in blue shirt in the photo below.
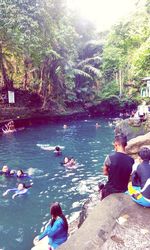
(139, 188)
(57, 229)
(20, 190)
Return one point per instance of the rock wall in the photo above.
(115, 223)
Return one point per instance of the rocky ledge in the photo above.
(115, 223)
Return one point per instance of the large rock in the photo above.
(135, 144)
(132, 130)
(115, 223)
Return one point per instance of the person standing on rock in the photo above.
(118, 168)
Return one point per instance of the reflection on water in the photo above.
(22, 218)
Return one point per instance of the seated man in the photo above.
(139, 189)
(118, 167)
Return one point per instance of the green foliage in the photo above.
(128, 48)
(110, 89)
(46, 48)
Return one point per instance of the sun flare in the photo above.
(103, 13)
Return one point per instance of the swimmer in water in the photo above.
(66, 160)
(5, 171)
(97, 125)
(65, 126)
(69, 162)
(57, 151)
(21, 174)
(20, 190)
(72, 162)
(10, 126)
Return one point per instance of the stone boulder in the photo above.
(132, 129)
(135, 144)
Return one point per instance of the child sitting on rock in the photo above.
(139, 189)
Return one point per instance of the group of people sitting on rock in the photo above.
(118, 167)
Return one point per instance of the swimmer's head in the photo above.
(144, 153)
(21, 186)
(66, 159)
(20, 172)
(97, 124)
(65, 126)
(12, 172)
(72, 160)
(57, 149)
(5, 169)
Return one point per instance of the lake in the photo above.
(22, 218)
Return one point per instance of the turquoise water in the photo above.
(22, 218)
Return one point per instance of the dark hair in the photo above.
(121, 139)
(55, 210)
(21, 171)
(144, 153)
(26, 186)
(57, 148)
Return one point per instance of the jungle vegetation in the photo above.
(47, 49)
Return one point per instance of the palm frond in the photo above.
(95, 59)
(82, 73)
(53, 53)
(93, 70)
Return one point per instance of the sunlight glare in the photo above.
(103, 13)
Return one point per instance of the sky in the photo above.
(103, 13)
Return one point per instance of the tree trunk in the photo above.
(25, 79)
(5, 79)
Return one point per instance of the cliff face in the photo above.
(115, 223)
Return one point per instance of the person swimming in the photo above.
(57, 151)
(5, 171)
(20, 190)
(9, 127)
(69, 162)
(21, 174)
(97, 125)
(65, 126)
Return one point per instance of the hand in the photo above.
(135, 196)
(13, 197)
(5, 193)
(36, 240)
